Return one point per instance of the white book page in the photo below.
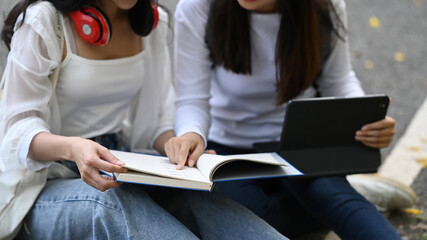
(157, 165)
(208, 163)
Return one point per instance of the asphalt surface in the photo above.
(402, 32)
(388, 42)
(389, 54)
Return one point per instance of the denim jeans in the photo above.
(296, 206)
(71, 209)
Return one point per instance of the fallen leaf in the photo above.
(418, 226)
(422, 161)
(356, 53)
(413, 211)
(414, 148)
(417, 3)
(368, 64)
(399, 57)
(374, 22)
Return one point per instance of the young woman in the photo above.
(114, 92)
(238, 62)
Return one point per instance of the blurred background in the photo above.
(388, 45)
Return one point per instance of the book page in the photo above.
(209, 163)
(157, 165)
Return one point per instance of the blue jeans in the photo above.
(71, 209)
(296, 206)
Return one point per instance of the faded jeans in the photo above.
(71, 209)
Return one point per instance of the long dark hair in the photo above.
(307, 32)
(141, 16)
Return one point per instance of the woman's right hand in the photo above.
(91, 157)
(179, 148)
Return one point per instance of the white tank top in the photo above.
(93, 95)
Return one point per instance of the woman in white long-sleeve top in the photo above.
(238, 63)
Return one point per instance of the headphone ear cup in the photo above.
(92, 25)
(144, 17)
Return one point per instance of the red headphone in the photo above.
(94, 27)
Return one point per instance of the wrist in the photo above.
(70, 148)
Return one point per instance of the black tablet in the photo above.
(318, 134)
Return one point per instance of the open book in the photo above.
(158, 170)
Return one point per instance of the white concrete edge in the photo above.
(402, 163)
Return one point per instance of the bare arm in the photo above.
(160, 142)
(89, 156)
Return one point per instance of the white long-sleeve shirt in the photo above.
(235, 109)
(92, 97)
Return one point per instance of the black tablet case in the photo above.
(318, 135)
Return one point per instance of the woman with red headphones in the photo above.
(113, 91)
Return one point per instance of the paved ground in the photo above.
(389, 54)
(388, 43)
(402, 32)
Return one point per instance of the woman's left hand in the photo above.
(377, 134)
